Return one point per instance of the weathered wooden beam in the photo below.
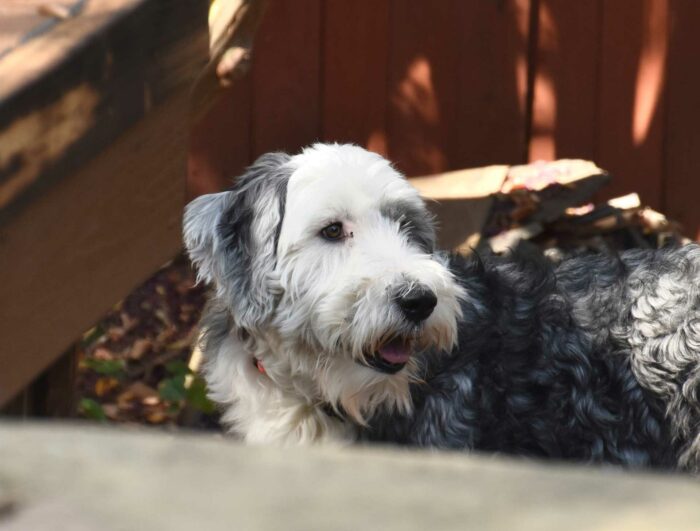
(70, 92)
(114, 479)
(93, 145)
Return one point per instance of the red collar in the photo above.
(327, 408)
(258, 365)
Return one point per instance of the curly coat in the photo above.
(596, 358)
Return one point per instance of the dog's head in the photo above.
(327, 256)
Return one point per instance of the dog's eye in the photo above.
(333, 232)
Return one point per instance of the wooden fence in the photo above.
(456, 83)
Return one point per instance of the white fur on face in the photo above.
(338, 296)
(310, 309)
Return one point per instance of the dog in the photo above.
(333, 318)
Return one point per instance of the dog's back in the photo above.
(595, 358)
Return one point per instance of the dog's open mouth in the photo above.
(391, 357)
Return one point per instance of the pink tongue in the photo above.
(395, 351)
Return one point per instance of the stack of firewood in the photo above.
(541, 203)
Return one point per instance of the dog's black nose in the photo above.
(417, 304)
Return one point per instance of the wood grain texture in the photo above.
(492, 74)
(565, 97)
(109, 478)
(457, 84)
(80, 246)
(220, 143)
(23, 19)
(631, 98)
(355, 61)
(286, 77)
(121, 58)
(425, 47)
(682, 164)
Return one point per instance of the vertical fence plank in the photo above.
(682, 184)
(457, 83)
(425, 46)
(355, 41)
(492, 93)
(220, 142)
(286, 77)
(631, 108)
(565, 88)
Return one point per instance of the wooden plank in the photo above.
(457, 84)
(632, 100)
(23, 19)
(80, 246)
(55, 390)
(565, 89)
(93, 130)
(286, 77)
(493, 85)
(681, 185)
(355, 57)
(423, 92)
(67, 94)
(220, 144)
(17, 406)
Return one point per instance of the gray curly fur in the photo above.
(229, 256)
(596, 358)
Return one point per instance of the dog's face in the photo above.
(327, 257)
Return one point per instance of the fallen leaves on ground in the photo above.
(133, 364)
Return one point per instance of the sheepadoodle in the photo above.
(333, 318)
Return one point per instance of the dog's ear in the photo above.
(232, 239)
(202, 217)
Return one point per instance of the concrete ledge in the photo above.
(57, 476)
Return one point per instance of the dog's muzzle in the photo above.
(417, 304)
(391, 357)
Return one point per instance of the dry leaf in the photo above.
(185, 342)
(162, 316)
(105, 384)
(111, 410)
(115, 333)
(140, 390)
(128, 322)
(136, 392)
(102, 353)
(156, 417)
(139, 348)
(151, 401)
(165, 335)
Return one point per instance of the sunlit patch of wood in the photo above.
(651, 71)
(542, 143)
(544, 111)
(376, 141)
(42, 137)
(521, 10)
(416, 99)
